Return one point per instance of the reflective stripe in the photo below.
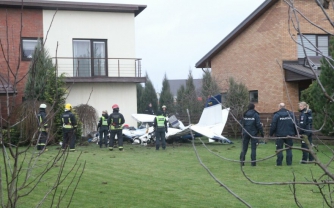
(67, 126)
(41, 144)
(161, 121)
(113, 127)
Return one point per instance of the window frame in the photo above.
(92, 40)
(316, 42)
(23, 58)
(252, 91)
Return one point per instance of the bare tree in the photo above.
(22, 170)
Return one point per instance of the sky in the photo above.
(173, 35)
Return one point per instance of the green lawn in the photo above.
(143, 177)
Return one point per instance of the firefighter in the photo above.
(115, 122)
(43, 128)
(283, 125)
(102, 128)
(160, 128)
(305, 124)
(69, 124)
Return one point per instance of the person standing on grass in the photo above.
(43, 128)
(116, 121)
(102, 128)
(160, 128)
(305, 124)
(69, 124)
(283, 125)
(251, 127)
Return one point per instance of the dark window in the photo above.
(253, 96)
(313, 43)
(28, 48)
(90, 57)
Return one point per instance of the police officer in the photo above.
(164, 111)
(251, 127)
(160, 127)
(115, 122)
(69, 124)
(102, 128)
(149, 110)
(43, 126)
(305, 124)
(283, 125)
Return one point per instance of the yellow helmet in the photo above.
(68, 106)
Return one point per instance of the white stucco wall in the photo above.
(117, 28)
(104, 95)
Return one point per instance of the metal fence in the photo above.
(98, 67)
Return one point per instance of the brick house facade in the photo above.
(254, 52)
(32, 27)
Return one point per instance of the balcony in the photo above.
(100, 69)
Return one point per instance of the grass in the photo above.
(143, 177)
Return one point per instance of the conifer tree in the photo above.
(140, 90)
(237, 98)
(149, 96)
(179, 100)
(166, 97)
(209, 85)
(316, 99)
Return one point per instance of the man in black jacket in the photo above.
(283, 125)
(251, 127)
(116, 121)
(69, 124)
(102, 128)
(305, 124)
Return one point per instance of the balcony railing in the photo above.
(98, 67)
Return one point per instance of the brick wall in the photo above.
(32, 26)
(252, 57)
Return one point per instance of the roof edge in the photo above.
(74, 6)
(202, 63)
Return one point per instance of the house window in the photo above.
(89, 57)
(310, 42)
(253, 96)
(28, 48)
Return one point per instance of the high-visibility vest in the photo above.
(104, 121)
(161, 121)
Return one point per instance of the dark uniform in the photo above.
(160, 127)
(149, 110)
(305, 123)
(69, 124)
(115, 122)
(282, 126)
(165, 113)
(251, 124)
(102, 127)
(43, 134)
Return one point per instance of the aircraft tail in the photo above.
(213, 115)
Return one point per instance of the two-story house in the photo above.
(261, 53)
(92, 43)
